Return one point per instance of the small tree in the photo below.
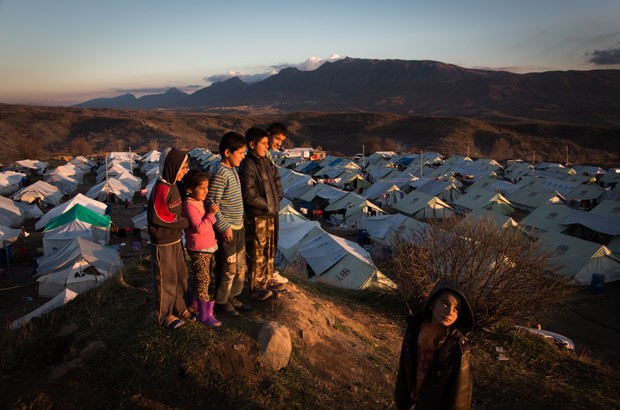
(505, 274)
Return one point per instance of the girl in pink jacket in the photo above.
(200, 241)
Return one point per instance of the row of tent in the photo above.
(401, 183)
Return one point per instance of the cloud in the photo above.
(311, 63)
(606, 57)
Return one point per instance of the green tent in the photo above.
(80, 213)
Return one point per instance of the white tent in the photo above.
(547, 218)
(10, 182)
(39, 191)
(483, 199)
(130, 181)
(291, 233)
(140, 222)
(67, 184)
(112, 186)
(385, 229)
(8, 234)
(342, 263)
(420, 205)
(68, 170)
(79, 266)
(61, 299)
(289, 214)
(60, 237)
(580, 259)
(444, 190)
(12, 214)
(355, 208)
(91, 204)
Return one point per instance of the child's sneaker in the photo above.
(261, 294)
(278, 278)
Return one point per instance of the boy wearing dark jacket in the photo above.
(165, 226)
(434, 361)
(262, 192)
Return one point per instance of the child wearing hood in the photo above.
(165, 226)
(434, 361)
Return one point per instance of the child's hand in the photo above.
(213, 208)
(228, 235)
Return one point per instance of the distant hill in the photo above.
(43, 132)
(408, 87)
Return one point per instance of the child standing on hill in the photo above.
(277, 135)
(230, 258)
(165, 226)
(434, 360)
(200, 241)
(262, 192)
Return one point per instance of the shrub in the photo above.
(504, 273)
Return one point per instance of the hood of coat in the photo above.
(170, 162)
(465, 320)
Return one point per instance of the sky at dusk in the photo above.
(61, 52)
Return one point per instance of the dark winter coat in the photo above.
(447, 384)
(261, 186)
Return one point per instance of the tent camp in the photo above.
(61, 299)
(91, 204)
(530, 197)
(79, 266)
(579, 259)
(420, 205)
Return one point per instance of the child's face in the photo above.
(445, 309)
(234, 158)
(275, 141)
(260, 148)
(200, 192)
(182, 171)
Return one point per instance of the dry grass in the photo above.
(352, 365)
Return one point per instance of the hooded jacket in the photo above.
(260, 185)
(447, 384)
(164, 213)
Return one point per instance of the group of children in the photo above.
(230, 221)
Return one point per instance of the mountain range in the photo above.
(405, 87)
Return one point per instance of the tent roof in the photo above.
(92, 204)
(80, 213)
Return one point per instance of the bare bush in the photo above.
(505, 274)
